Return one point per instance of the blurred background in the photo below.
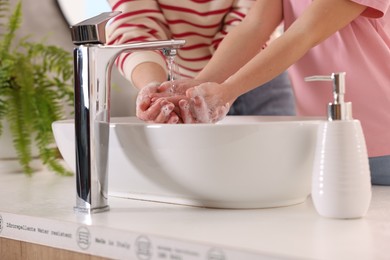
(44, 19)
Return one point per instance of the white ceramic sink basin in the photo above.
(241, 162)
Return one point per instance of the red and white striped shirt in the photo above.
(202, 23)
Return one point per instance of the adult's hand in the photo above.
(206, 103)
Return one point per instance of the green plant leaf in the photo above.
(35, 85)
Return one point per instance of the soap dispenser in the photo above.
(341, 184)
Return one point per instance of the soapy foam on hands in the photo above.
(210, 104)
(166, 110)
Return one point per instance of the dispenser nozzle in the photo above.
(338, 110)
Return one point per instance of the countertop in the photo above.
(39, 209)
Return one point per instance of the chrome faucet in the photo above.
(93, 61)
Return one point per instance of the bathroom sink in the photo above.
(240, 162)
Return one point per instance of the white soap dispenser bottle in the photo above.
(341, 184)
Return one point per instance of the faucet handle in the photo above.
(92, 30)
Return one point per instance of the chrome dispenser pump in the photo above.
(339, 109)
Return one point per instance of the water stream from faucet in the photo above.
(173, 69)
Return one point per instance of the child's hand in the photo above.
(150, 108)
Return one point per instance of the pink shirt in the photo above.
(362, 50)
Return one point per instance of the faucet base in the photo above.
(88, 211)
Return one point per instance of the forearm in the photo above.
(140, 21)
(244, 41)
(318, 22)
(233, 52)
(266, 65)
(147, 72)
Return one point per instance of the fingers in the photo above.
(220, 113)
(174, 119)
(152, 87)
(155, 96)
(144, 101)
(151, 107)
(194, 111)
(185, 112)
(178, 86)
(201, 110)
(185, 104)
(193, 92)
(206, 103)
(142, 104)
(164, 114)
(165, 86)
(170, 86)
(173, 99)
(160, 111)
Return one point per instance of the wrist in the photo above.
(148, 73)
(230, 91)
